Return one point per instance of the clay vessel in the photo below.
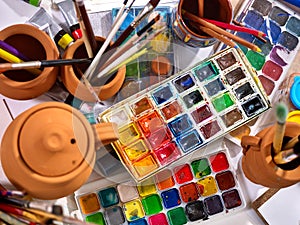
(49, 149)
(257, 162)
(71, 81)
(36, 45)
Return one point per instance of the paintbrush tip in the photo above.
(154, 3)
(281, 112)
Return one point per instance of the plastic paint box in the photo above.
(185, 112)
(282, 26)
(205, 187)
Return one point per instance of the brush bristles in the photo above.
(281, 112)
(154, 3)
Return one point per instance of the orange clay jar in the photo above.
(73, 84)
(36, 45)
(257, 162)
(49, 150)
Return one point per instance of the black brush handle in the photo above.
(125, 34)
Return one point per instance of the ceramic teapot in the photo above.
(49, 150)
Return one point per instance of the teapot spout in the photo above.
(106, 133)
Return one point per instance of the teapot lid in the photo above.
(54, 140)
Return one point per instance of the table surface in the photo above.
(10, 14)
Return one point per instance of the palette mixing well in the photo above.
(282, 26)
(206, 187)
(185, 112)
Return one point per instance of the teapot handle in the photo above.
(250, 141)
(106, 133)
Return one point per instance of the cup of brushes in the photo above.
(271, 157)
(35, 45)
(71, 75)
(48, 151)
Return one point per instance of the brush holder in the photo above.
(36, 45)
(220, 10)
(49, 150)
(72, 82)
(257, 161)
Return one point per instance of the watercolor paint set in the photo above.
(282, 26)
(206, 187)
(161, 46)
(185, 112)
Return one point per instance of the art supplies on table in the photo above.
(162, 45)
(281, 24)
(185, 112)
(203, 187)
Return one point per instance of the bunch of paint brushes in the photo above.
(17, 209)
(218, 29)
(116, 55)
(286, 152)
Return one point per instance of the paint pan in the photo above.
(281, 24)
(185, 112)
(215, 10)
(204, 187)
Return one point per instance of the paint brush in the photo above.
(41, 64)
(14, 59)
(87, 26)
(117, 52)
(221, 31)
(287, 156)
(291, 143)
(233, 27)
(281, 112)
(136, 47)
(148, 8)
(95, 63)
(216, 35)
(83, 30)
(201, 8)
(12, 50)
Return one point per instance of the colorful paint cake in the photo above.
(282, 26)
(185, 112)
(206, 187)
(161, 46)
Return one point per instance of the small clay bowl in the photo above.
(71, 80)
(36, 45)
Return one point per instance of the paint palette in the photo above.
(204, 188)
(282, 26)
(161, 46)
(180, 115)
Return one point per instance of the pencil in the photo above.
(233, 27)
(40, 64)
(221, 31)
(87, 25)
(242, 25)
(201, 8)
(281, 115)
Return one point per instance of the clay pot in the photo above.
(36, 45)
(49, 149)
(78, 89)
(220, 10)
(257, 162)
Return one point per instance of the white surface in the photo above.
(283, 207)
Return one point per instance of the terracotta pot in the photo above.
(78, 89)
(220, 10)
(257, 162)
(49, 150)
(36, 45)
